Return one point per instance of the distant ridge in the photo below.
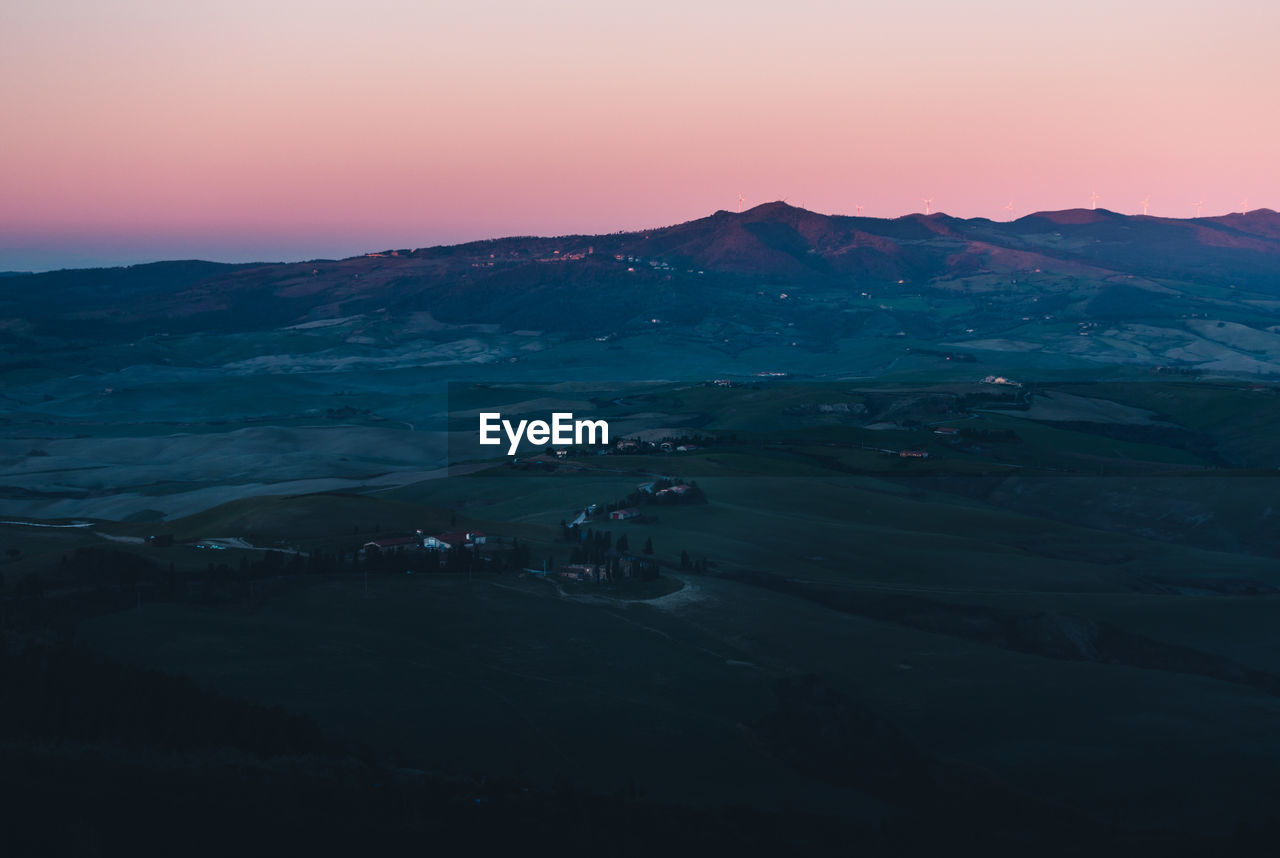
(712, 267)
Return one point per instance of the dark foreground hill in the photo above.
(104, 759)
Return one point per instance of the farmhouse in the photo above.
(456, 538)
(594, 572)
(946, 430)
(391, 545)
(624, 514)
(913, 454)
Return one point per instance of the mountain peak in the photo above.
(776, 210)
(1073, 217)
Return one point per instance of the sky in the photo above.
(137, 130)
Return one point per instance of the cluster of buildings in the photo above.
(557, 256)
(423, 542)
(616, 567)
(634, 445)
(678, 490)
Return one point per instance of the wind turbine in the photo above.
(1198, 204)
(1009, 209)
(1146, 205)
(1093, 199)
(740, 202)
(1244, 206)
(927, 203)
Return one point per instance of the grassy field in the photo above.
(506, 674)
(500, 675)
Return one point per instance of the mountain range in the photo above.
(1200, 293)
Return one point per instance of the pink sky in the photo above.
(141, 129)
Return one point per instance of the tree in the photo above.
(648, 546)
(521, 557)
